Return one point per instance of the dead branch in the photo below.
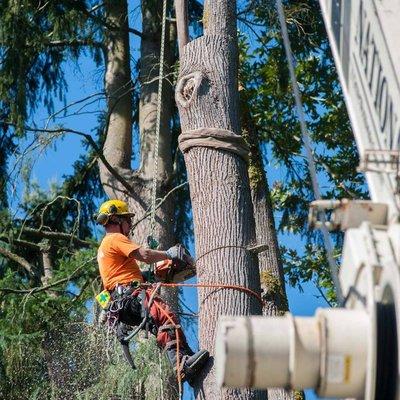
(76, 223)
(19, 242)
(90, 140)
(99, 94)
(55, 235)
(18, 259)
(158, 205)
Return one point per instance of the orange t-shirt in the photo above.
(116, 264)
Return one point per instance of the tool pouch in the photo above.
(131, 311)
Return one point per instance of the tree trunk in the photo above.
(118, 145)
(149, 70)
(118, 87)
(119, 132)
(269, 261)
(219, 187)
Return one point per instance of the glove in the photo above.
(178, 253)
(175, 253)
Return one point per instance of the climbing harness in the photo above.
(307, 145)
(132, 297)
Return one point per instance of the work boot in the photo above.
(189, 365)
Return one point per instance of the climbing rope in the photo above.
(217, 286)
(307, 145)
(158, 123)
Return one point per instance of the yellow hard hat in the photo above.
(112, 207)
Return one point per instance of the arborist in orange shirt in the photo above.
(133, 306)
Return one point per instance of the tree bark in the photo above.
(149, 70)
(269, 261)
(118, 87)
(207, 97)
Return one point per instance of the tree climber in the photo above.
(129, 305)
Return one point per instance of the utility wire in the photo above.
(307, 145)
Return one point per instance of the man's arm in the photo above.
(149, 256)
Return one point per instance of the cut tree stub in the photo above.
(206, 92)
(187, 88)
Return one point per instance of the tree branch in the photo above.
(159, 204)
(94, 95)
(74, 43)
(44, 288)
(91, 141)
(323, 295)
(18, 259)
(57, 236)
(135, 32)
(19, 242)
(107, 25)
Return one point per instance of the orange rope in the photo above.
(217, 286)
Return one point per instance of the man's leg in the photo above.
(171, 338)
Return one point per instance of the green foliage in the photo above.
(265, 80)
(80, 361)
(115, 378)
(35, 39)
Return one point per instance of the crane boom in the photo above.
(364, 42)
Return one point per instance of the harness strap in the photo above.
(144, 309)
(170, 344)
(168, 327)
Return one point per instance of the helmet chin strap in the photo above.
(120, 222)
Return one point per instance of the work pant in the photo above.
(165, 323)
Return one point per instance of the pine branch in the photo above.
(110, 27)
(44, 288)
(74, 43)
